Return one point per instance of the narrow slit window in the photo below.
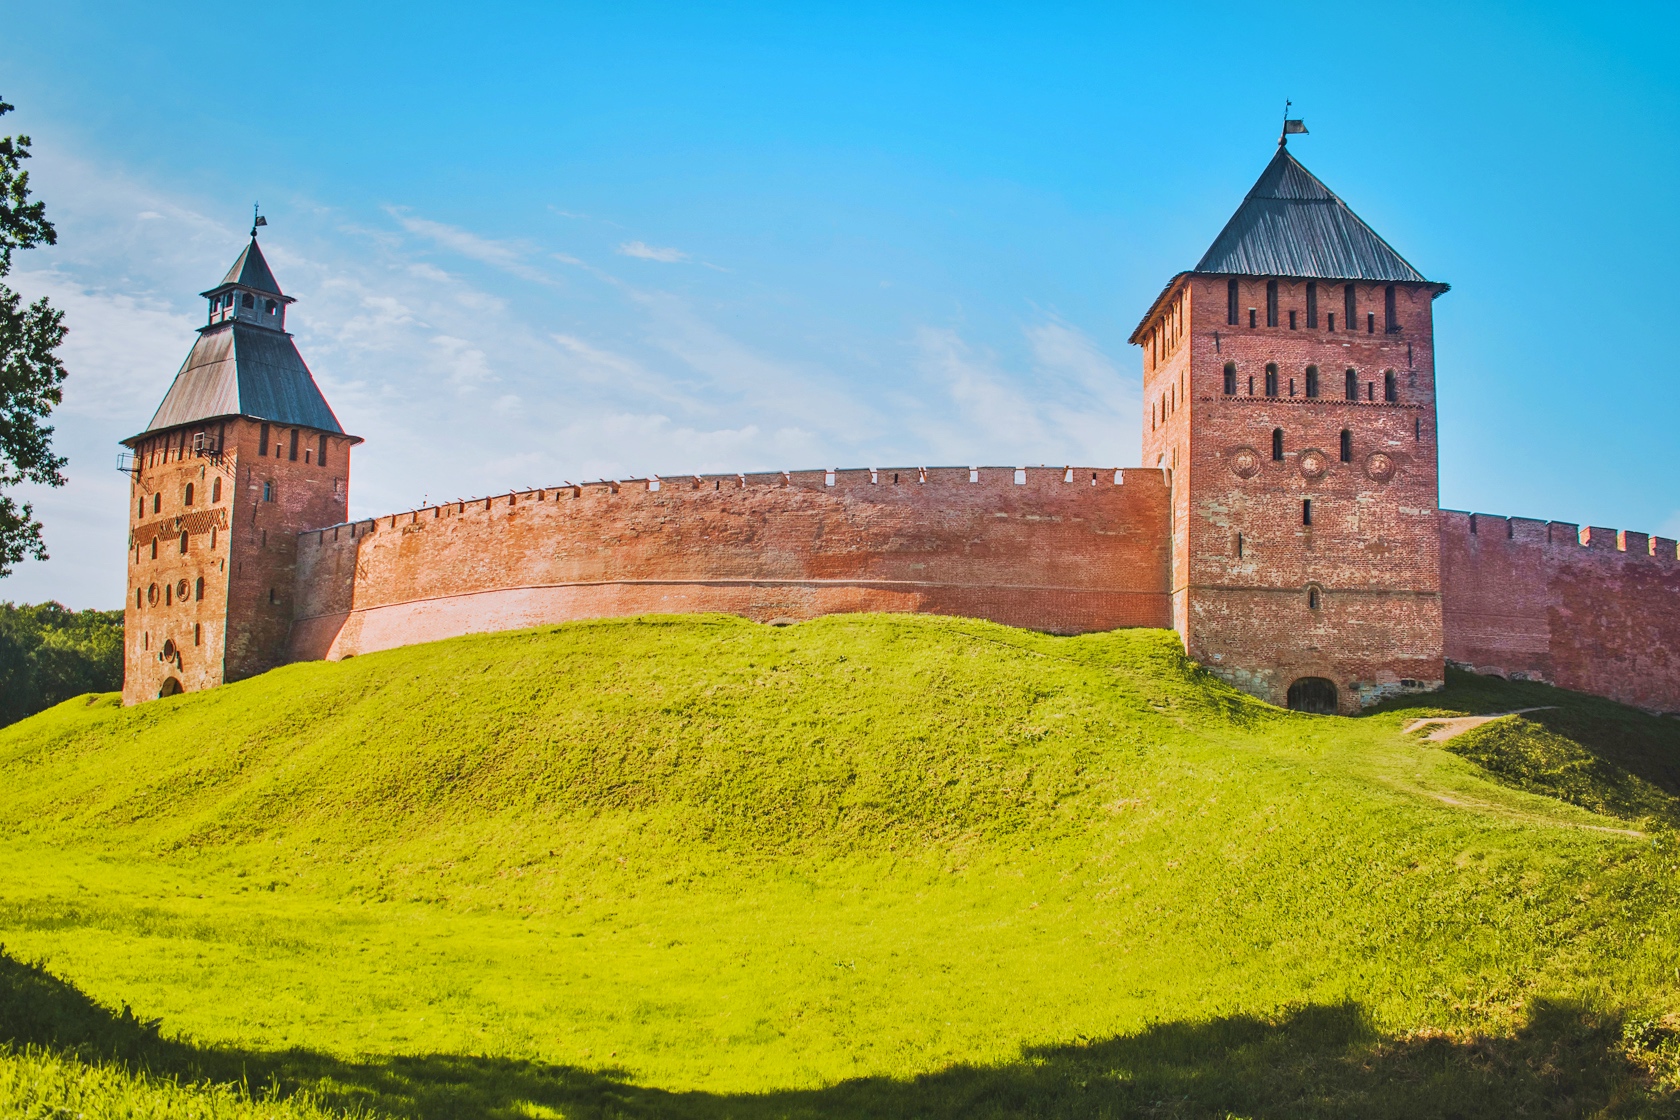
(1230, 379)
(1350, 306)
(1271, 303)
(1240, 546)
(1233, 309)
(183, 544)
(1306, 511)
(1391, 392)
(1370, 322)
(215, 490)
(1417, 427)
(1391, 318)
(292, 455)
(1277, 444)
(1312, 305)
(1347, 446)
(1312, 381)
(198, 633)
(157, 502)
(262, 440)
(1352, 385)
(268, 491)
(1292, 320)
(154, 548)
(1271, 379)
(1251, 316)
(1312, 598)
(198, 591)
(321, 451)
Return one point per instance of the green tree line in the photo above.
(49, 653)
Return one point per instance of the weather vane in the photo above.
(1295, 127)
(258, 220)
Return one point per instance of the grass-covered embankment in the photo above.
(861, 866)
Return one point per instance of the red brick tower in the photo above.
(1289, 388)
(243, 454)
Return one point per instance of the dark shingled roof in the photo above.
(1290, 224)
(250, 271)
(236, 369)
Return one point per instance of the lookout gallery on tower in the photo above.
(1286, 522)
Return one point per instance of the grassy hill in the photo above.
(863, 866)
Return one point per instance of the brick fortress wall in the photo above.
(1588, 609)
(1066, 550)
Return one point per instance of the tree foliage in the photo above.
(31, 376)
(49, 653)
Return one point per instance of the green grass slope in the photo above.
(868, 865)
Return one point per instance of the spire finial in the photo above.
(256, 219)
(1290, 127)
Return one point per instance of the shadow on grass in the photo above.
(1321, 1060)
(1582, 749)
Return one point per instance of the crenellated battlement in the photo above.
(1564, 536)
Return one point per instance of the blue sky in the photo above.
(545, 243)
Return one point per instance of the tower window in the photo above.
(212, 538)
(1350, 306)
(1230, 379)
(1391, 320)
(1352, 385)
(183, 544)
(1240, 546)
(154, 548)
(1251, 316)
(271, 594)
(198, 633)
(1271, 303)
(1312, 381)
(1312, 598)
(1277, 444)
(268, 491)
(157, 502)
(141, 511)
(269, 307)
(1347, 446)
(1390, 392)
(152, 595)
(262, 440)
(1370, 322)
(169, 594)
(1312, 305)
(1292, 320)
(321, 451)
(1370, 390)
(1417, 427)
(215, 490)
(137, 603)
(1251, 385)
(1306, 511)
(292, 454)
(1271, 379)
(1233, 313)
(189, 495)
(248, 300)
(1330, 321)
(198, 591)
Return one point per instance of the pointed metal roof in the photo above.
(1291, 224)
(237, 369)
(251, 271)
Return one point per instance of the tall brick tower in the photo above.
(1289, 388)
(243, 454)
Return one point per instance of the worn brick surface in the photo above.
(1589, 609)
(1372, 550)
(1066, 550)
(241, 629)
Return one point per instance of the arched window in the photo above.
(1390, 394)
(1230, 379)
(215, 490)
(212, 538)
(1277, 443)
(140, 511)
(1271, 303)
(1352, 385)
(154, 548)
(198, 590)
(269, 306)
(1233, 312)
(1312, 598)
(168, 594)
(1347, 446)
(183, 543)
(1271, 379)
(157, 502)
(137, 603)
(189, 500)
(1312, 381)
(198, 634)
(268, 491)
(152, 595)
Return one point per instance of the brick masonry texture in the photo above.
(1064, 549)
(1370, 557)
(1589, 609)
(241, 535)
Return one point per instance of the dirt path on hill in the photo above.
(1450, 727)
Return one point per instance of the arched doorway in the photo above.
(1313, 694)
(171, 687)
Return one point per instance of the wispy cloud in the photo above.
(509, 256)
(643, 251)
